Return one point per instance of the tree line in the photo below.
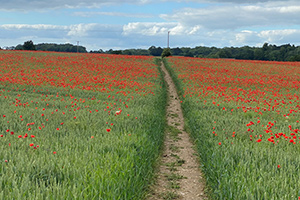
(286, 52)
(29, 45)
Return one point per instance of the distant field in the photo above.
(78, 126)
(244, 118)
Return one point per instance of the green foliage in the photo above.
(295, 58)
(285, 52)
(60, 48)
(155, 51)
(166, 53)
(19, 47)
(28, 45)
(270, 52)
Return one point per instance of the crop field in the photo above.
(78, 126)
(91, 126)
(244, 119)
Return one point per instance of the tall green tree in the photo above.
(28, 45)
(166, 52)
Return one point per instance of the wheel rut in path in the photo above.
(179, 175)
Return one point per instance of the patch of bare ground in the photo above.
(179, 175)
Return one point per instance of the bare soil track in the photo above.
(179, 175)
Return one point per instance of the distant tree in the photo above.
(188, 54)
(202, 51)
(11, 48)
(166, 53)
(155, 51)
(117, 52)
(19, 47)
(127, 52)
(109, 51)
(294, 58)
(28, 45)
(224, 53)
(265, 47)
(176, 51)
(99, 51)
(258, 54)
(245, 53)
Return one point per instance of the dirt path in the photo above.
(179, 176)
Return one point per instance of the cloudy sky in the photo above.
(121, 24)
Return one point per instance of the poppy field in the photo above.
(91, 126)
(78, 126)
(244, 119)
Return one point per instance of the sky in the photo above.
(121, 24)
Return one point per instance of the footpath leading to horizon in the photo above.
(179, 175)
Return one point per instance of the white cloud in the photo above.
(159, 29)
(242, 37)
(80, 30)
(280, 36)
(237, 16)
(147, 28)
(27, 5)
(33, 27)
(114, 14)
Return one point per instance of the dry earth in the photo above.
(179, 175)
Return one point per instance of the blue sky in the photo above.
(116, 24)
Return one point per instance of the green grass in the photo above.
(170, 195)
(174, 132)
(174, 177)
